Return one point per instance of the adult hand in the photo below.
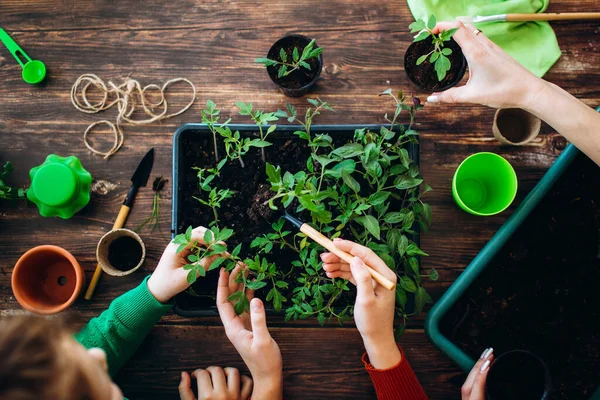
(169, 278)
(474, 386)
(374, 307)
(257, 348)
(216, 383)
(495, 78)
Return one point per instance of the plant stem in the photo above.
(262, 149)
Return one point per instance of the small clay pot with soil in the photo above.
(300, 81)
(515, 127)
(47, 280)
(424, 76)
(120, 252)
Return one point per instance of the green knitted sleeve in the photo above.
(123, 326)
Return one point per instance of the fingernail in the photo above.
(321, 255)
(485, 366)
(255, 304)
(356, 262)
(432, 99)
(487, 353)
(482, 354)
(182, 375)
(337, 239)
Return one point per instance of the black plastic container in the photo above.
(200, 133)
(424, 76)
(301, 81)
(518, 374)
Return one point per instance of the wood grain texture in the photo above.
(213, 43)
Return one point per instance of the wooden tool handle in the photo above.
(552, 16)
(329, 245)
(119, 222)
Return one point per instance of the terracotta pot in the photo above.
(515, 127)
(104, 249)
(47, 279)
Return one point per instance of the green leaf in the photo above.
(271, 129)
(446, 51)
(208, 236)
(431, 22)
(191, 277)
(421, 36)
(296, 54)
(188, 234)
(282, 55)
(349, 150)
(350, 182)
(255, 285)
(442, 66)
(265, 61)
(321, 319)
(405, 182)
(422, 59)
(448, 34)
(394, 217)
(416, 26)
(282, 71)
(245, 108)
(421, 298)
(401, 296)
(306, 65)
(242, 305)
(260, 143)
(378, 198)
(371, 224)
(434, 56)
(414, 250)
(216, 264)
(307, 49)
(407, 284)
(389, 90)
(324, 161)
(273, 174)
(433, 274)
(402, 245)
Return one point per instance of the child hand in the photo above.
(474, 387)
(257, 348)
(374, 307)
(216, 383)
(169, 278)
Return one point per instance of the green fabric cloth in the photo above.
(123, 326)
(533, 44)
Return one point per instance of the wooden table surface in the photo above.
(213, 43)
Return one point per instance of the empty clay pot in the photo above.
(515, 127)
(47, 279)
(120, 252)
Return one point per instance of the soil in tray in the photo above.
(540, 293)
(245, 212)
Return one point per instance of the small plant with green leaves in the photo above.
(261, 119)
(211, 117)
(286, 66)
(214, 240)
(439, 55)
(7, 192)
(235, 146)
(215, 196)
(154, 219)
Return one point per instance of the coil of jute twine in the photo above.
(126, 96)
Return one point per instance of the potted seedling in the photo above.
(433, 62)
(294, 63)
(7, 192)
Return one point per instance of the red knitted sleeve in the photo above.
(396, 383)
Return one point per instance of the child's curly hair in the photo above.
(35, 363)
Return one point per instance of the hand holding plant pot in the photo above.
(175, 269)
(294, 63)
(495, 78)
(434, 61)
(256, 346)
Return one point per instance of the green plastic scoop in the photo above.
(34, 71)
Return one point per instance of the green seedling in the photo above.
(154, 219)
(439, 55)
(261, 119)
(7, 192)
(285, 66)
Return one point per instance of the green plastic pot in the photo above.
(484, 184)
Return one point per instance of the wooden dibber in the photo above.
(329, 245)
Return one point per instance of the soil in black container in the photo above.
(246, 212)
(124, 253)
(540, 293)
(300, 81)
(424, 75)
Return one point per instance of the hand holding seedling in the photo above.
(257, 348)
(170, 277)
(374, 307)
(216, 383)
(495, 78)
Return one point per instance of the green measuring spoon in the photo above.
(34, 71)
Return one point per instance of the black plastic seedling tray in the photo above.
(187, 141)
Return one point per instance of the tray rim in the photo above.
(413, 149)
